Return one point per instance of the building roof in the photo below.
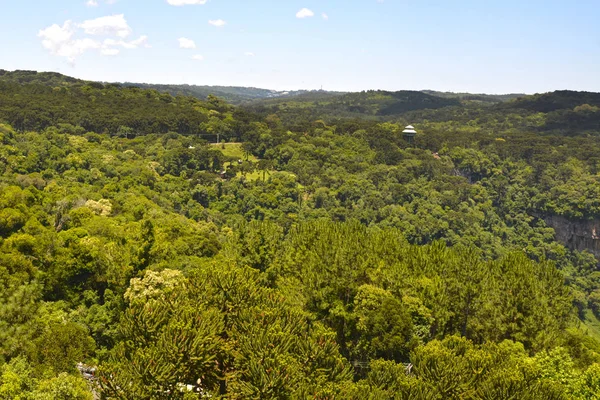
(410, 127)
(409, 131)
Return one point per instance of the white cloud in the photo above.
(198, 57)
(110, 52)
(110, 25)
(249, 54)
(84, 44)
(325, 16)
(185, 2)
(59, 41)
(63, 41)
(217, 22)
(94, 3)
(55, 35)
(134, 44)
(142, 40)
(304, 13)
(186, 43)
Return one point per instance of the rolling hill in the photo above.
(231, 94)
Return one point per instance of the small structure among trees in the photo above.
(409, 133)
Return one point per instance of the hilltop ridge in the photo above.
(566, 112)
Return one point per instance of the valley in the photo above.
(292, 247)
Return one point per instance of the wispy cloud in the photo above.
(110, 52)
(134, 44)
(186, 43)
(109, 25)
(219, 23)
(305, 13)
(325, 16)
(185, 2)
(94, 3)
(198, 57)
(249, 54)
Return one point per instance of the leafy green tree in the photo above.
(62, 387)
(383, 324)
(221, 333)
(62, 346)
(16, 379)
(588, 385)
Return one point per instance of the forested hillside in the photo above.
(372, 104)
(231, 94)
(45, 78)
(313, 254)
(482, 97)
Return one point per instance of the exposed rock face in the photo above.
(576, 234)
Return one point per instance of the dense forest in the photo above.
(166, 247)
(231, 94)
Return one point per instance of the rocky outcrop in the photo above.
(576, 234)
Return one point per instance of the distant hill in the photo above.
(232, 94)
(566, 112)
(391, 103)
(44, 101)
(553, 101)
(43, 78)
(369, 104)
(487, 98)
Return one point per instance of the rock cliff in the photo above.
(576, 234)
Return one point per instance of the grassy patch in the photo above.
(258, 175)
(253, 176)
(234, 150)
(591, 324)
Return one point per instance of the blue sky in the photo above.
(469, 45)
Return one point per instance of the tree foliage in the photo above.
(322, 256)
